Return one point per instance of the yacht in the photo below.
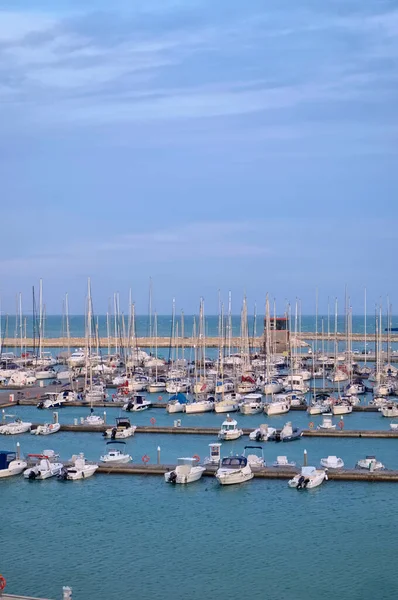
(272, 386)
(137, 404)
(95, 393)
(11, 464)
(123, 429)
(138, 383)
(370, 463)
(262, 433)
(48, 373)
(79, 470)
(22, 379)
(178, 384)
(280, 405)
(341, 408)
(44, 468)
(296, 383)
(57, 399)
(229, 430)
(186, 471)
(200, 406)
(46, 429)
(390, 410)
(234, 469)
(255, 460)
(309, 478)
(229, 403)
(77, 359)
(15, 427)
(332, 462)
(115, 456)
(251, 404)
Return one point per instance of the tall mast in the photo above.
(365, 323)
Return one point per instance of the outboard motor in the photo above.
(129, 406)
(259, 436)
(32, 475)
(63, 475)
(113, 434)
(40, 404)
(173, 477)
(300, 484)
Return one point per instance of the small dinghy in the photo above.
(44, 468)
(282, 461)
(186, 471)
(229, 430)
(15, 427)
(332, 462)
(46, 429)
(309, 478)
(370, 463)
(255, 461)
(115, 456)
(262, 433)
(288, 433)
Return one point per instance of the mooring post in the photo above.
(305, 462)
(158, 455)
(55, 417)
(104, 416)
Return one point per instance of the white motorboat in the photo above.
(234, 469)
(64, 375)
(296, 383)
(77, 359)
(394, 426)
(11, 464)
(138, 383)
(115, 456)
(327, 423)
(57, 399)
(356, 388)
(79, 470)
(15, 427)
(176, 403)
(282, 461)
(332, 462)
(186, 471)
(49, 373)
(251, 404)
(93, 419)
(95, 393)
(370, 463)
(230, 403)
(278, 406)
(123, 429)
(390, 410)
(309, 478)
(318, 408)
(262, 433)
(255, 460)
(215, 454)
(46, 429)
(44, 468)
(137, 404)
(229, 430)
(199, 406)
(341, 408)
(247, 387)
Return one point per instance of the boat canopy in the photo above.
(234, 462)
(181, 398)
(307, 471)
(116, 442)
(5, 458)
(123, 422)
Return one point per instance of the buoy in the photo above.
(3, 583)
(160, 397)
(311, 425)
(145, 458)
(153, 421)
(196, 457)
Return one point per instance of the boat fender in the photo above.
(311, 425)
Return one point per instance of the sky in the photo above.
(242, 146)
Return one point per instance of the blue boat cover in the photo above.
(5, 458)
(181, 398)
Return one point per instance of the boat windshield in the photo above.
(234, 462)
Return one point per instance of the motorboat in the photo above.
(332, 462)
(229, 403)
(370, 463)
(251, 404)
(95, 393)
(137, 404)
(262, 433)
(225, 386)
(255, 460)
(79, 470)
(57, 399)
(296, 398)
(176, 403)
(138, 383)
(11, 464)
(115, 456)
(229, 430)
(49, 373)
(93, 419)
(43, 469)
(234, 469)
(341, 408)
(271, 386)
(288, 433)
(356, 388)
(77, 358)
(46, 429)
(308, 478)
(178, 384)
(122, 429)
(15, 427)
(186, 471)
(327, 423)
(214, 455)
(200, 406)
(296, 383)
(390, 410)
(22, 379)
(282, 461)
(318, 408)
(280, 405)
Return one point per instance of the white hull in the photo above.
(199, 407)
(175, 408)
(251, 408)
(122, 460)
(272, 388)
(88, 471)
(121, 435)
(341, 409)
(230, 435)
(16, 467)
(15, 429)
(226, 407)
(47, 429)
(234, 477)
(194, 475)
(277, 408)
(314, 480)
(52, 470)
(389, 412)
(155, 388)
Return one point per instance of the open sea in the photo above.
(117, 537)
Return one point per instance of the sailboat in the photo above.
(158, 384)
(94, 392)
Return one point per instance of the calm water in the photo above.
(114, 537)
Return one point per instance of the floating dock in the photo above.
(264, 473)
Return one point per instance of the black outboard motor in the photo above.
(63, 475)
(40, 404)
(259, 436)
(33, 475)
(173, 477)
(301, 482)
(113, 434)
(129, 406)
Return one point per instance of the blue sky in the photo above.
(211, 145)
